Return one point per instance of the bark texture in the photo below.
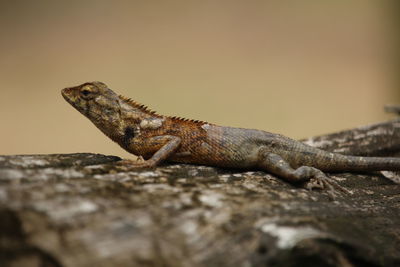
(80, 210)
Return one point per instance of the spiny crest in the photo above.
(176, 118)
(137, 105)
(145, 109)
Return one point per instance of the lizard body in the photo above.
(160, 138)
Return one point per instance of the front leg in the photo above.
(313, 177)
(169, 144)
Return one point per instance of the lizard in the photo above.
(157, 138)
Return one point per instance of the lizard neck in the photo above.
(132, 117)
(125, 116)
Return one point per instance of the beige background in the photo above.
(300, 68)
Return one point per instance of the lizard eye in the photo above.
(86, 92)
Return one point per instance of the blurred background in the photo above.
(300, 68)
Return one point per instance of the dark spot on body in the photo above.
(129, 133)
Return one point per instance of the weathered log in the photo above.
(80, 210)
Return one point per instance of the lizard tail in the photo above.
(355, 163)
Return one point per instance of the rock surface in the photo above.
(81, 210)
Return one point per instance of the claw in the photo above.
(129, 165)
(321, 181)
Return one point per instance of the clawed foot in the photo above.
(130, 165)
(124, 165)
(321, 181)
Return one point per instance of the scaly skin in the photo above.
(160, 138)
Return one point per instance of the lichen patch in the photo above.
(288, 237)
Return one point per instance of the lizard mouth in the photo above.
(66, 93)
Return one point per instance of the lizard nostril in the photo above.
(66, 91)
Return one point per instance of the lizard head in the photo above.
(97, 102)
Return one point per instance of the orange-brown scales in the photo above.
(160, 138)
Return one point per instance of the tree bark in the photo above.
(80, 210)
